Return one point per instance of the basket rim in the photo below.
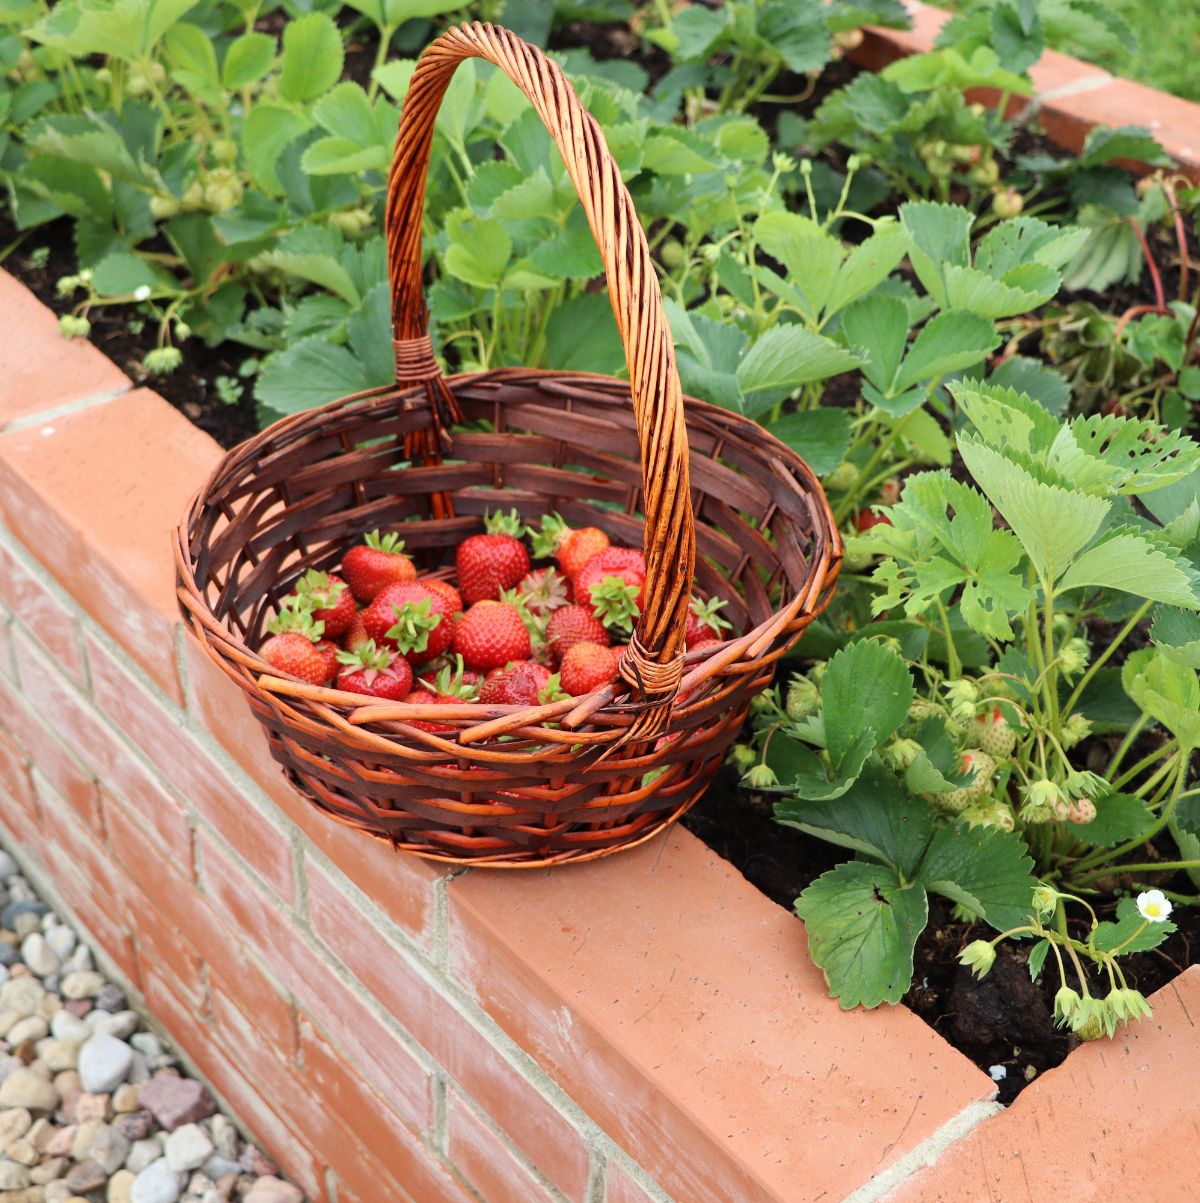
(496, 719)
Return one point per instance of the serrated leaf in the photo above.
(1129, 920)
(862, 927)
(974, 291)
(673, 150)
(479, 251)
(1048, 387)
(122, 273)
(821, 437)
(312, 372)
(867, 688)
(878, 325)
(312, 57)
(268, 130)
(1167, 691)
(1005, 418)
(938, 237)
(1037, 958)
(1176, 633)
(876, 816)
(1052, 523)
(988, 870)
(787, 357)
(1122, 454)
(811, 255)
(1119, 817)
(581, 336)
(1127, 560)
(247, 60)
(867, 266)
(948, 342)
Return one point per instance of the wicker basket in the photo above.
(717, 504)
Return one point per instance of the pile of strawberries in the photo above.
(506, 633)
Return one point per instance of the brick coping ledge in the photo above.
(643, 1029)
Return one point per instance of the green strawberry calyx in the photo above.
(706, 612)
(535, 624)
(552, 691)
(449, 682)
(298, 620)
(391, 543)
(499, 523)
(615, 603)
(367, 659)
(547, 538)
(414, 621)
(318, 590)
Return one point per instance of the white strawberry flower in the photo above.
(1154, 906)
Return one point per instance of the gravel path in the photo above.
(93, 1108)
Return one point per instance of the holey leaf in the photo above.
(862, 927)
(1052, 523)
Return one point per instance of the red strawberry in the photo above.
(376, 563)
(356, 634)
(572, 625)
(703, 621)
(328, 651)
(489, 635)
(619, 600)
(571, 547)
(522, 684)
(704, 642)
(329, 599)
(298, 656)
(447, 591)
(491, 562)
(865, 519)
(376, 672)
(544, 591)
(412, 619)
(587, 667)
(453, 682)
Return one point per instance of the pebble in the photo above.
(274, 1190)
(60, 1143)
(8, 866)
(13, 1176)
(103, 1063)
(96, 1141)
(23, 1151)
(27, 1088)
(93, 1106)
(79, 1007)
(121, 1024)
(142, 1153)
(218, 1167)
(22, 906)
(224, 1136)
(81, 983)
(147, 1043)
(127, 1098)
(41, 1134)
(65, 1026)
(49, 1171)
(111, 998)
(157, 1183)
(86, 1176)
(175, 1101)
(39, 956)
(255, 1161)
(32, 1027)
(20, 996)
(13, 1125)
(61, 941)
(56, 1192)
(80, 961)
(188, 1148)
(134, 1125)
(120, 1187)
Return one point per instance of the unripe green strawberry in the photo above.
(990, 814)
(803, 698)
(991, 734)
(843, 478)
(1007, 202)
(955, 801)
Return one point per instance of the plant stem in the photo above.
(1100, 660)
(1126, 744)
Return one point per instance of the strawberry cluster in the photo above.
(504, 633)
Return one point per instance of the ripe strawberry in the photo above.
(865, 519)
(447, 591)
(489, 635)
(376, 563)
(376, 672)
(705, 641)
(493, 561)
(703, 621)
(587, 667)
(521, 684)
(992, 734)
(329, 599)
(544, 591)
(572, 625)
(572, 547)
(613, 583)
(298, 656)
(412, 619)
(356, 634)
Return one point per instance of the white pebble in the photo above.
(998, 1072)
(187, 1148)
(103, 1063)
(157, 1183)
(8, 866)
(65, 1026)
(62, 940)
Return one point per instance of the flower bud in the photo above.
(1039, 801)
(961, 696)
(1091, 1019)
(803, 697)
(978, 956)
(900, 753)
(72, 326)
(742, 757)
(1045, 900)
(163, 207)
(1066, 1003)
(182, 332)
(65, 285)
(761, 776)
(1085, 785)
(1127, 1004)
(1075, 730)
(162, 360)
(1074, 656)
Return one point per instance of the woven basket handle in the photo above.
(653, 663)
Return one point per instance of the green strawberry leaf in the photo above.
(866, 690)
(1119, 817)
(862, 927)
(984, 869)
(820, 436)
(1177, 634)
(1129, 920)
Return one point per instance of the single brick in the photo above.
(35, 606)
(483, 1159)
(1114, 1121)
(99, 494)
(679, 1008)
(39, 369)
(619, 1187)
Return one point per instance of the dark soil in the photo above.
(1004, 1020)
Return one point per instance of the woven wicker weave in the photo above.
(719, 506)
